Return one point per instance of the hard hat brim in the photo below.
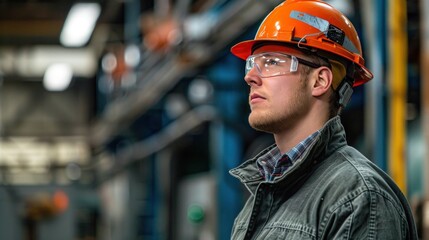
(244, 49)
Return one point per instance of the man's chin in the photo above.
(261, 126)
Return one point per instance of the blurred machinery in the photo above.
(42, 206)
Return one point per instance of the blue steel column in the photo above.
(226, 149)
(381, 111)
(144, 219)
(132, 19)
(374, 26)
(227, 144)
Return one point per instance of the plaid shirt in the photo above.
(274, 163)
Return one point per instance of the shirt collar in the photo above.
(274, 163)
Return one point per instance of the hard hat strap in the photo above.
(345, 92)
(345, 89)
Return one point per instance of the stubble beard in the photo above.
(271, 121)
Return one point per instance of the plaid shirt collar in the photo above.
(274, 163)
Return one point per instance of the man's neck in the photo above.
(290, 137)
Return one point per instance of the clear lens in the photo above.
(272, 64)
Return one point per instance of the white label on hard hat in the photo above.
(322, 25)
(313, 21)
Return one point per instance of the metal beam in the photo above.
(167, 136)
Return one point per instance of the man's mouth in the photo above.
(255, 97)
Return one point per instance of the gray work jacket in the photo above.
(331, 192)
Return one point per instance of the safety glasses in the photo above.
(270, 64)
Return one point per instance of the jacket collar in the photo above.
(331, 138)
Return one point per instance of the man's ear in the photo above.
(322, 81)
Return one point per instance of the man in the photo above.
(301, 67)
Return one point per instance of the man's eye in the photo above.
(272, 62)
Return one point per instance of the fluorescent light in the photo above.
(57, 77)
(80, 24)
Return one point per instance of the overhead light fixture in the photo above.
(80, 24)
(57, 77)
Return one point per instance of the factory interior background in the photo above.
(137, 141)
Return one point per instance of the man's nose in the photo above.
(253, 77)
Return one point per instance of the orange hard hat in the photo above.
(314, 25)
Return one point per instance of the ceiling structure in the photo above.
(30, 32)
(40, 129)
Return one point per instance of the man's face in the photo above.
(277, 103)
